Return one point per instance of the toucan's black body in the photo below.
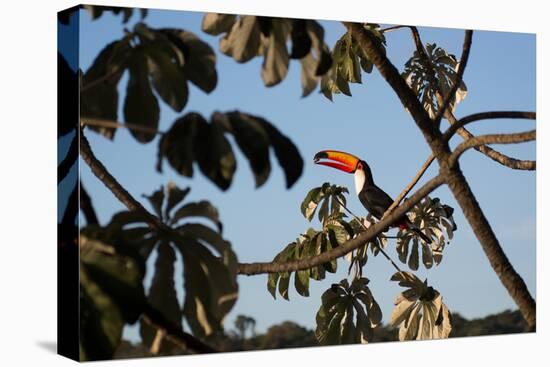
(373, 198)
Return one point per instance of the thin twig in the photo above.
(393, 28)
(490, 139)
(68, 162)
(91, 121)
(101, 79)
(366, 228)
(409, 187)
(467, 45)
(487, 116)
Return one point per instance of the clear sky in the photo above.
(373, 125)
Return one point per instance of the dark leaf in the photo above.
(301, 43)
(200, 60)
(175, 196)
(275, 65)
(141, 106)
(199, 209)
(178, 142)
(156, 200)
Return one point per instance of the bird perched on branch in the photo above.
(373, 198)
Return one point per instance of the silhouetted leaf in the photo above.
(199, 209)
(100, 321)
(175, 195)
(301, 43)
(167, 77)
(156, 200)
(99, 97)
(162, 293)
(214, 154)
(141, 106)
(200, 60)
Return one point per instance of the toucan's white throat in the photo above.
(359, 177)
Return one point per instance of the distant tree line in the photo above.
(289, 334)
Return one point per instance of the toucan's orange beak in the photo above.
(340, 160)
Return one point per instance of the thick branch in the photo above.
(511, 280)
(487, 116)
(467, 45)
(389, 72)
(490, 139)
(360, 240)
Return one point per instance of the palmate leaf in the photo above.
(246, 37)
(162, 296)
(328, 197)
(419, 78)
(209, 263)
(348, 62)
(111, 294)
(192, 139)
(161, 59)
(419, 311)
(436, 221)
(348, 313)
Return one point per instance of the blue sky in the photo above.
(373, 125)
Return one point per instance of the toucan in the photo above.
(373, 198)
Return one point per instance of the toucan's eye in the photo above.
(359, 166)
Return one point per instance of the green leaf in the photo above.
(141, 106)
(309, 204)
(323, 211)
(413, 258)
(101, 322)
(119, 276)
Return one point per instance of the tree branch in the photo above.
(153, 316)
(490, 139)
(117, 125)
(389, 72)
(350, 245)
(409, 187)
(486, 116)
(467, 45)
(505, 271)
